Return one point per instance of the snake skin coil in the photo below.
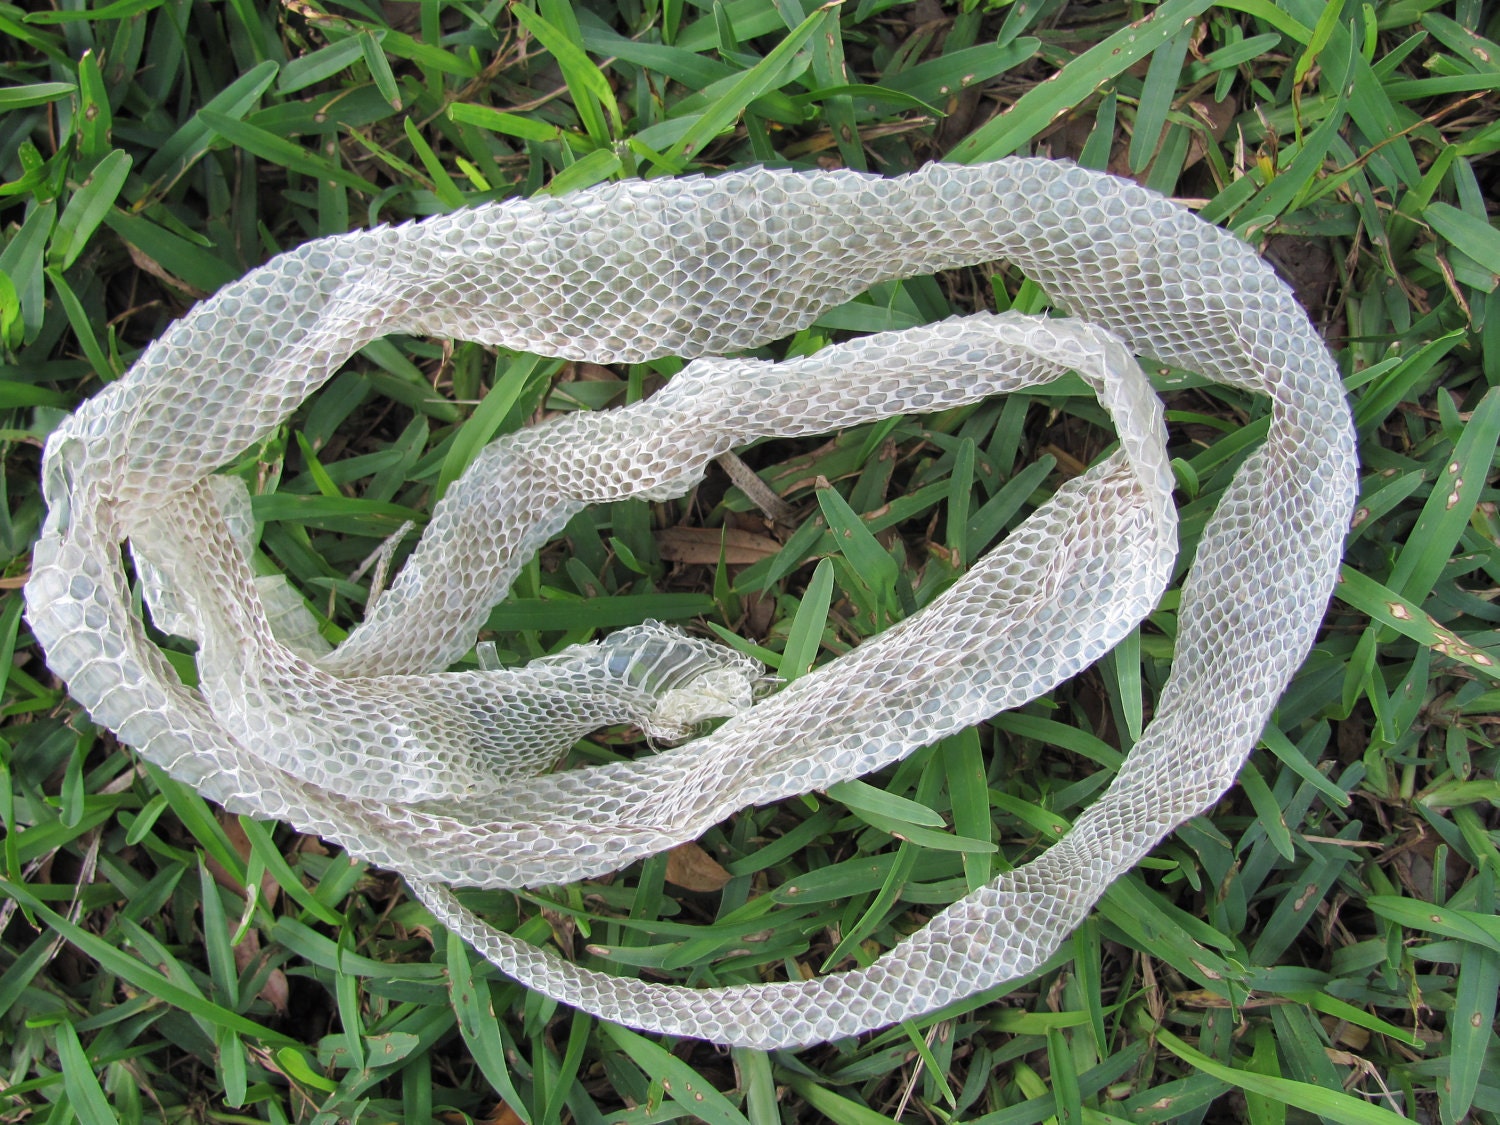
(444, 776)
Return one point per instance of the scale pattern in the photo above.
(444, 776)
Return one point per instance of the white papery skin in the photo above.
(443, 776)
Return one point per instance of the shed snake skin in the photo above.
(447, 776)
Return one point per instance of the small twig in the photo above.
(1452, 283)
(760, 493)
(380, 559)
(916, 1072)
(1430, 119)
(86, 872)
(1336, 842)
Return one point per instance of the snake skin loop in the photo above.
(446, 776)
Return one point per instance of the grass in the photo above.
(1322, 945)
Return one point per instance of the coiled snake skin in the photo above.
(443, 776)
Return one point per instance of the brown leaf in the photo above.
(760, 612)
(1066, 461)
(564, 930)
(1345, 1034)
(701, 545)
(1218, 116)
(1204, 998)
(502, 1114)
(1307, 265)
(693, 869)
(594, 373)
(150, 265)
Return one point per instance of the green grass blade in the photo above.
(1466, 925)
(681, 1082)
(320, 65)
(863, 798)
(474, 1005)
(1384, 605)
(216, 937)
(193, 138)
(1041, 105)
(805, 637)
(38, 93)
(512, 124)
(280, 151)
(490, 414)
(871, 562)
(835, 1107)
(1446, 513)
(85, 1095)
(968, 792)
(380, 69)
(1162, 77)
(87, 208)
(592, 96)
(140, 975)
(1471, 1028)
(1332, 1104)
(765, 75)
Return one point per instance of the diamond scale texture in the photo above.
(444, 776)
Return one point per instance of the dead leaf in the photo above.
(1307, 265)
(502, 1114)
(1203, 998)
(760, 612)
(701, 545)
(150, 265)
(693, 869)
(1066, 461)
(1348, 1035)
(564, 930)
(1218, 116)
(594, 373)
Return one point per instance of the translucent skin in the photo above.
(440, 775)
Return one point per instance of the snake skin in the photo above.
(444, 776)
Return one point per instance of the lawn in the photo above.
(1322, 944)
